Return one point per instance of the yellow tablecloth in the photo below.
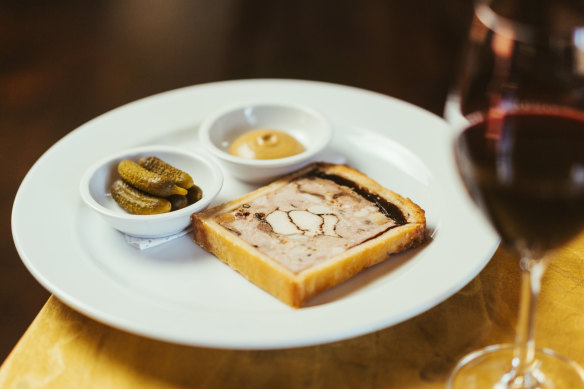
(63, 349)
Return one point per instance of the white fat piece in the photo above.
(281, 223)
(302, 222)
(328, 227)
(307, 222)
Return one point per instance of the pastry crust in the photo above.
(295, 286)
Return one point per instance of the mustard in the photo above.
(265, 144)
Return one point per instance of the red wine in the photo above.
(526, 172)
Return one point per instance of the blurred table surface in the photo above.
(65, 62)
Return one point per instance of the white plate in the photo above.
(179, 293)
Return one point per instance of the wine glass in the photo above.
(518, 114)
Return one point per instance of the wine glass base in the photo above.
(491, 367)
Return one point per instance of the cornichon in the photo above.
(156, 165)
(148, 181)
(178, 202)
(194, 195)
(137, 202)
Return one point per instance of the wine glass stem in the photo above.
(524, 356)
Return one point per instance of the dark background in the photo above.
(64, 62)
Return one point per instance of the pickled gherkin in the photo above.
(148, 181)
(152, 186)
(178, 202)
(195, 194)
(137, 202)
(158, 166)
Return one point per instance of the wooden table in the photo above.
(64, 349)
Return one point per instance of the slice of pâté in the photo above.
(310, 230)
